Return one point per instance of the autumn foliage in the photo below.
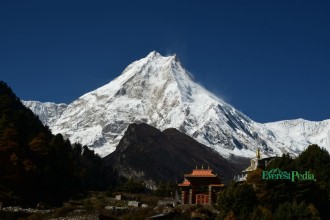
(36, 166)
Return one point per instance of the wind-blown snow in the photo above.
(159, 91)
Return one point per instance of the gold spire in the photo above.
(258, 153)
(202, 167)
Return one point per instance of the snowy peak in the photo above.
(157, 90)
(149, 77)
(153, 55)
(154, 63)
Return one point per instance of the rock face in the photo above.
(147, 154)
(158, 91)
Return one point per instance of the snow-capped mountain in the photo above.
(157, 90)
(48, 112)
(299, 133)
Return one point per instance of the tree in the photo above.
(8, 139)
(38, 166)
(261, 213)
(39, 144)
(239, 198)
(132, 186)
(288, 211)
(165, 189)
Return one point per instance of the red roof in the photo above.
(185, 183)
(201, 177)
(201, 173)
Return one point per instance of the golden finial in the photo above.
(202, 167)
(196, 166)
(258, 153)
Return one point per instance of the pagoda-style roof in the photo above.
(200, 177)
(201, 173)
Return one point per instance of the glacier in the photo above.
(157, 90)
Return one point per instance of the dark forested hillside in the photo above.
(36, 166)
(282, 198)
(146, 153)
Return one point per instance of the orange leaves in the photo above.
(39, 144)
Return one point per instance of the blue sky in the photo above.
(269, 59)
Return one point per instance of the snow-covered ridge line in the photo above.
(157, 90)
(48, 112)
(303, 131)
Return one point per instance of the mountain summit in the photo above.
(157, 90)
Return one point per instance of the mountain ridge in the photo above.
(147, 154)
(157, 90)
(48, 112)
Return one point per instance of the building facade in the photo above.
(200, 187)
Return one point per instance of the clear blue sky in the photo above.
(270, 58)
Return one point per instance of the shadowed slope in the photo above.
(145, 153)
